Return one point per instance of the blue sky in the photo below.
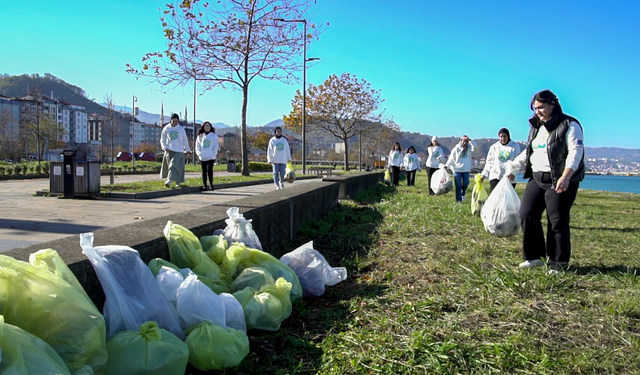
(444, 67)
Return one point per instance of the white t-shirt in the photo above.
(540, 157)
(278, 151)
(499, 154)
(207, 146)
(411, 162)
(395, 158)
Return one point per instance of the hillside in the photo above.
(47, 84)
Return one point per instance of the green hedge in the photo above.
(255, 166)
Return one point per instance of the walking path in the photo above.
(27, 219)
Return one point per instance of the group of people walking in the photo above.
(554, 166)
(175, 146)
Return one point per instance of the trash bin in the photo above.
(72, 178)
(231, 166)
(86, 179)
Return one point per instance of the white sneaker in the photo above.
(532, 263)
(277, 187)
(463, 198)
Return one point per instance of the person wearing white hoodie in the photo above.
(434, 159)
(175, 144)
(395, 162)
(500, 152)
(207, 146)
(460, 164)
(411, 165)
(278, 154)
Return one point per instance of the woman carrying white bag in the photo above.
(440, 181)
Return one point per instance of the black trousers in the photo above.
(411, 177)
(207, 171)
(395, 175)
(538, 196)
(493, 183)
(430, 172)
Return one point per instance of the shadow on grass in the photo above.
(621, 230)
(607, 270)
(343, 236)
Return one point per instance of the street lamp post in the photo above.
(304, 89)
(133, 130)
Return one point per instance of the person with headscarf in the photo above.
(554, 165)
(278, 154)
(459, 163)
(174, 143)
(207, 146)
(500, 152)
(434, 159)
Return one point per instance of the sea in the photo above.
(614, 183)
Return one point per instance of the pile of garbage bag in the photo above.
(194, 308)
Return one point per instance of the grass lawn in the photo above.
(144, 186)
(430, 292)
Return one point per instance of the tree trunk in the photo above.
(243, 130)
(346, 155)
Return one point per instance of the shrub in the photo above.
(255, 166)
(3, 170)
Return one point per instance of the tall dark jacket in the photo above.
(557, 149)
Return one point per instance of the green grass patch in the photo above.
(155, 185)
(430, 292)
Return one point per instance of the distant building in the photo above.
(338, 148)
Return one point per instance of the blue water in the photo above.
(623, 184)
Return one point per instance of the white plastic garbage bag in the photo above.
(233, 312)
(500, 213)
(441, 182)
(169, 281)
(239, 229)
(313, 270)
(132, 293)
(197, 303)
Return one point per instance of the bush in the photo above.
(3, 170)
(255, 166)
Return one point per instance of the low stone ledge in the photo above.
(350, 186)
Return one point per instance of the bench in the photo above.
(321, 171)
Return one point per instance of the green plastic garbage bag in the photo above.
(157, 263)
(215, 247)
(212, 347)
(238, 257)
(254, 277)
(479, 195)
(50, 260)
(387, 177)
(22, 353)
(186, 251)
(151, 350)
(50, 308)
(266, 308)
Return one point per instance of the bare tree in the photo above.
(111, 125)
(380, 139)
(229, 43)
(36, 124)
(342, 106)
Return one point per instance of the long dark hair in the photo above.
(411, 148)
(547, 97)
(399, 147)
(201, 129)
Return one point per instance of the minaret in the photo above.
(162, 114)
(186, 118)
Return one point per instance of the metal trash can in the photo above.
(231, 166)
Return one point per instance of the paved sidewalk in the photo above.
(27, 219)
